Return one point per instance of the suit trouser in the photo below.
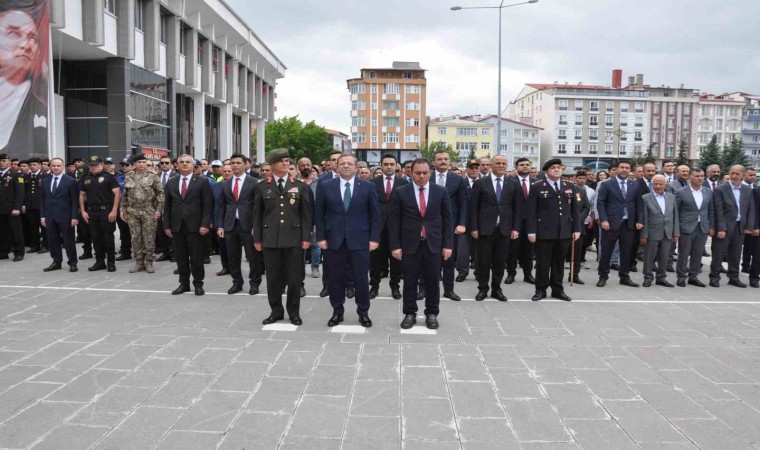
(101, 231)
(754, 268)
(342, 260)
(448, 267)
(656, 250)
(188, 252)
(380, 259)
(83, 233)
(11, 228)
(748, 251)
(283, 265)
(125, 237)
(690, 248)
(32, 227)
(521, 250)
(492, 258)
(463, 252)
(550, 263)
(163, 242)
(576, 266)
(624, 237)
(224, 256)
(61, 234)
(234, 240)
(350, 282)
(415, 265)
(731, 245)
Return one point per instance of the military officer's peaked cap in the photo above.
(95, 160)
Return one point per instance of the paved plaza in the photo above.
(112, 361)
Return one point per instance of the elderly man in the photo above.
(712, 177)
(658, 216)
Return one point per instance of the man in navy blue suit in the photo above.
(58, 214)
(347, 220)
(420, 231)
(617, 203)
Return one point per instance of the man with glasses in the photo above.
(163, 242)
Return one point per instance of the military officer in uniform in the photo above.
(99, 205)
(553, 222)
(32, 203)
(141, 207)
(11, 201)
(282, 224)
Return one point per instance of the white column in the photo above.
(260, 146)
(225, 131)
(199, 126)
(245, 134)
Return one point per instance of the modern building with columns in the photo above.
(159, 76)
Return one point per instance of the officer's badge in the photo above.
(93, 158)
(20, 180)
(100, 179)
(292, 201)
(578, 197)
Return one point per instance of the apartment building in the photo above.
(671, 119)
(750, 125)
(388, 110)
(465, 134)
(518, 140)
(718, 115)
(339, 141)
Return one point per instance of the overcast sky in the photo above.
(711, 45)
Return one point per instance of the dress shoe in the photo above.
(498, 295)
(37, 249)
(123, 257)
(754, 283)
(561, 296)
(271, 319)
(384, 274)
(163, 257)
(705, 253)
(409, 321)
(365, 321)
(664, 283)
(633, 269)
(335, 319)
(223, 272)
(52, 267)
(461, 277)
(575, 280)
(42, 250)
(99, 265)
(737, 283)
(73, 267)
(510, 279)
(602, 282)
(181, 289)
(350, 292)
(235, 289)
(111, 266)
(539, 295)
(86, 255)
(175, 271)
(529, 279)
(452, 296)
(681, 283)
(670, 268)
(396, 293)
(199, 290)
(303, 292)
(696, 282)
(714, 283)
(373, 293)
(431, 322)
(296, 320)
(647, 283)
(18, 258)
(626, 281)
(324, 292)
(207, 260)
(481, 295)
(614, 267)
(254, 289)
(421, 295)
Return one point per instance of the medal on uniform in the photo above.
(292, 201)
(100, 179)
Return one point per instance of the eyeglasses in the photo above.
(165, 162)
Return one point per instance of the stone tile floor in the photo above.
(112, 361)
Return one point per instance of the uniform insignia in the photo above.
(291, 180)
(292, 201)
(87, 181)
(100, 179)
(569, 191)
(21, 180)
(578, 197)
(93, 158)
(293, 190)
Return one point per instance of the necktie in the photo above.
(623, 188)
(281, 184)
(163, 179)
(347, 196)
(442, 180)
(498, 189)
(556, 186)
(525, 188)
(713, 185)
(423, 207)
(387, 188)
(649, 185)
(235, 189)
(184, 187)
(55, 185)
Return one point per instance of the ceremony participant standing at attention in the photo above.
(553, 223)
(58, 214)
(188, 206)
(420, 231)
(282, 223)
(125, 237)
(696, 217)
(32, 199)
(347, 222)
(163, 243)
(11, 201)
(658, 215)
(584, 210)
(520, 249)
(141, 208)
(99, 206)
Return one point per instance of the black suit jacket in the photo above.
(643, 187)
(62, 205)
(485, 209)
(383, 201)
(33, 187)
(611, 205)
(552, 214)
(405, 221)
(11, 191)
(523, 201)
(456, 187)
(194, 210)
(243, 206)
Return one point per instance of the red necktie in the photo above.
(184, 188)
(525, 189)
(713, 185)
(423, 207)
(388, 188)
(235, 191)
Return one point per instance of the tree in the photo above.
(428, 149)
(682, 159)
(733, 154)
(711, 154)
(649, 155)
(302, 140)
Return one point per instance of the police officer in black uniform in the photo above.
(99, 199)
(83, 229)
(282, 223)
(125, 237)
(11, 201)
(553, 222)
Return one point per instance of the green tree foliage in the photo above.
(733, 154)
(682, 159)
(428, 149)
(648, 157)
(711, 154)
(302, 140)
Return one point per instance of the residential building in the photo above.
(671, 118)
(339, 141)
(750, 126)
(160, 76)
(388, 109)
(465, 134)
(518, 140)
(718, 115)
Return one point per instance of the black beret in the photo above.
(139, 157)
(550, 163)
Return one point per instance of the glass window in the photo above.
(390, 121)
(164, 25)
(110, 6)
(140, 14)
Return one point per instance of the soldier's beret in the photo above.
(24, 161)
(4, 156)
(95, 160)
(33, 160)
(550, 163)
(277, 155)
(139, 157)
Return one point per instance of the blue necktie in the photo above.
(498, 189)
(347, 196)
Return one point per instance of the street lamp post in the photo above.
(498, 94)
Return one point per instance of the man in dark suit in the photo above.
(58, 214)
(188, 205)
(658, 215)
(347, 222)
(282, 223)
(381, 259)
(456, 187)
(553, 223)
(420, 231)
(617, 204)
(713, 177)
(520, 249)
(754, 269)
(466, 245)
(494, 209)
(696, 215)
(750, 241)
(584, 208)
(734, 217)
(645, 187)
(235, 225)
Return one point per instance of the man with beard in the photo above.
(521, 249)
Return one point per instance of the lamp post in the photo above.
(498, 94)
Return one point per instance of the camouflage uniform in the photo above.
(143, 196)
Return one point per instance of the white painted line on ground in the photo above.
(353, 329)
(419, 330)
(22, 311)
(279, 327)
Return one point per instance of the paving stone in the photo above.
(213, 412)
(515, 384)
(110, 345)
(464, 368)
(376, 398)
(475, 400)
(185, 347)
(372, 432)
(340, 354)
(12, 375)
(712, 434)
(420, 355)
(736, 414)
(277, 395)
(657, 358)
(30, 425)
(549, 370)
(112, 407)
(715, 371)
(670, 402)
(52, 354)
(71, 436)
(331, 380)
(633, 370)
(143, 429)
(695, 386)
(428, 419)
(606, 384)
(22, 396)
(37, 341)
(87, 386)
(320, 416)
(154, 373)
(579, 358)
(310, 442)
(255, 430)
(294, 364)
(383, 367)
(574, 401)
(642, 422)
(411, 444)
(487, 430)
(181, 390)
(188, 440)
(128, 358)
(599, 434)
(535, 420)
(423, 382)
(241, 376)
(500, 356)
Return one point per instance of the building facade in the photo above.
(518, 140)
(388, 107)
(671, 120)
(718, 115)
(339, 141)
(465, 134)
(750, 126)
(164, 77)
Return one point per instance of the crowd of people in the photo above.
(426, 222)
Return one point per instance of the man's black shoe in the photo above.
(754, 283)
(43, 249)
(236, 287)
(498, 295)
(254, 289)
(681, 283)
(714, 283)
(409, 321)
(86, 255)
(670, 268)
(99, 265)
(697, 283)
(396, 293)
(271, 319)
(431, 322)
(73, 267)
(335, 319)
(664, 283)
(647, 283)
(350, 292)
(737, 283)
(529, 279)
(575, 280)
(18, 258)
(481, 295)
(123, 257)
(461, 277)
(37, 249)
(324, 292)
(452, 296)
(602, 282)
(510, 279)
(561, 296)
(373, 293)
(296, 320)
(111, 266)
(303, 291)
(52, 267)
(365, 321)
(539, 295)
(614, 267)
(633, 269)
(181, 290)
(206, 260)
(626, 281)
(199, 290)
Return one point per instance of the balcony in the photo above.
(753, 117)
(593, 138)
(750, 131)
(562, 137)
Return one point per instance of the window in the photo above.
(686, 109)
(372, 74)
(623, 106)
(467, 131)
(718, 124)
(639, 122)
(579, 119)
(485, 146)
(656, 108)
(719, 110)
(412, 106)
(594, 106)
(593, 120)
(357, 121)
(579, 105)
(704, 110)
(406, 75)
(503, 148)
(373, 88)
(608, 136)
(374, 106)
(561, 149)
(671, 122)
(636, 149)
(608, 121)
(562, 105)
(358, 88)
(358, 105)
(670, 138)
(374, 121)
(656, 122)
(413, 122)
(669, 151)
(390, 138)
(390, 88)
(505, 133)
(411, 138)
(164, 23)
(671, 108)
(622, 150)
(610, 106)
(485, 131)
(563, 120)
(390, 121)
(358, 138)
(577, 149)
(655, 138)
(393, 105)
(562, 134)
(593, 149)
(469, 146)
(140, 14)
(182, 41)
(607, 149)
(578, 134)
(637, 136)
(593, 135)
(110, 6)
(442, 131)
(639, 107)
(374, 138)
(412, 89)
(623, 121)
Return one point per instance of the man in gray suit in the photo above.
(696, 215)
(681, 179)
(659, 216)
(734, 217)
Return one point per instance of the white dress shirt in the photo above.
(660, 201)
(737, 190)
(241, 180)
(350, 186)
